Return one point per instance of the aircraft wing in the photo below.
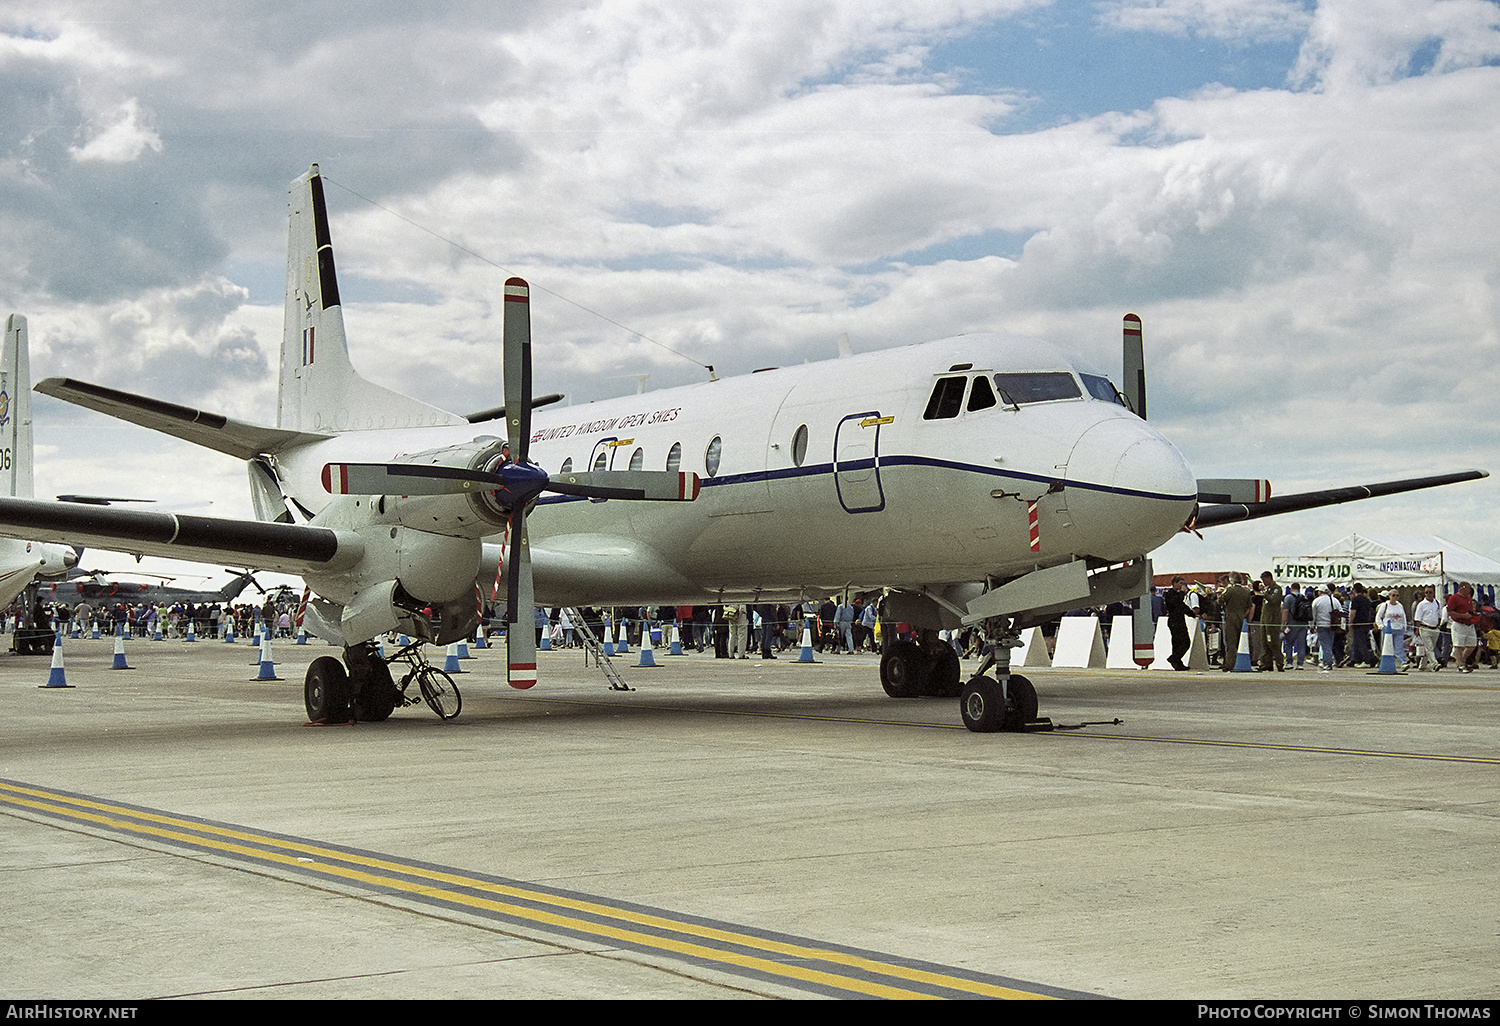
(210, 430)
(288, 548)
(1231, 512)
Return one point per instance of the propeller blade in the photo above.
(520, 609)
(404, 479)
(517, 367)
(660, 485)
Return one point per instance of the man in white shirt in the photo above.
(1428, 616)
(1324, 612)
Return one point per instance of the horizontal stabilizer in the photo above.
(1228, 513)
(1233, 489)
(289, 548)
(210, 430)
(498, 412)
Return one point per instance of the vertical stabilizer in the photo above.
(320, 390)
(15, 410)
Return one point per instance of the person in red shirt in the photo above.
(1464, 616)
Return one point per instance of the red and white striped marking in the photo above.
(302, 609)
(1036, 528)
(517, 291)
(336, 478)
(522, 675)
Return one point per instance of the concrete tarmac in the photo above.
(1238, 836)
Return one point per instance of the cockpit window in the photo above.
(1018, 389)
(981, 396)
(947, 399)
(1102, 388)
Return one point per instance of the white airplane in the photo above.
(21, 561)
(985, 479)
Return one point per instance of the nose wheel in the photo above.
(987, 708)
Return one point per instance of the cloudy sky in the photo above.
(1301, 199)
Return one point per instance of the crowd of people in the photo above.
(838, 624)
(170, 620)
(1331, 626)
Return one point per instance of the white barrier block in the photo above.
(1121, 644)
(1080, 643)
(1033, 650)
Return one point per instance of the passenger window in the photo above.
(711, 455)
(567, 467)
(947, 399)
(602, 460)
(637, 459)
(674, 458)
(981, 396)
(799, 446)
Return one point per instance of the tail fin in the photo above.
(15, 410)
(320, 390)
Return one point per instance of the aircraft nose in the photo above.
(1128, 487)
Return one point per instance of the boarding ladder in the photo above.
(591, 647)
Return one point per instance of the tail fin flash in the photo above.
(320, 390)
(15, 411)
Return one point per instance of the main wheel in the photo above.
(902, 670)
(378, 698)
(943, 673)
(440, 692)
(325, 691)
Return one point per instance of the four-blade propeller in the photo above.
(514, 483)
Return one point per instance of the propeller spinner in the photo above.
(512, 484)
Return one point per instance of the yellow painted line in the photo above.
(159, 825)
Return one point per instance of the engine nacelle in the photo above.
(468, 515)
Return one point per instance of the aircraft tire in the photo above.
(944, 674)
(378, 698)
(1022, 707)
(325, 691)
(981, 707)
(984, 711)
(902, 670)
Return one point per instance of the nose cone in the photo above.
(1129, 489)
(70, 559)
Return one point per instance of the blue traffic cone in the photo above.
(806, 655)
(1242, 661)
(450, 665)
(463, 648)
(1388, 652)
(648, 658)
(302, 634)
(267, 664)
(95, 634)
(119, 663)
(676, 646)
(190, 635)
(609, 637)
(623, 647)
(479, 641)
(228, 633)
(57, 679)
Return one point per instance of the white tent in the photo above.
(1458, 563)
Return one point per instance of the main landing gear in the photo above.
(988, 702)
(360, 688)
(926, 668)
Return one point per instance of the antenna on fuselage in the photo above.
(1135, 366)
